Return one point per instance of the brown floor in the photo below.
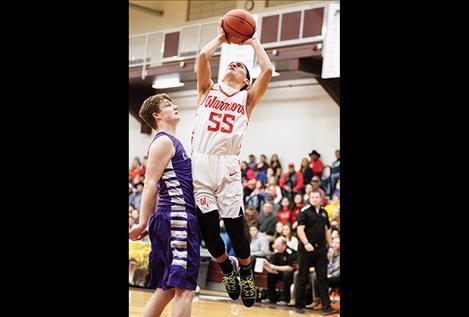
(206, 305)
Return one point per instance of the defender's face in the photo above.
(168, 112)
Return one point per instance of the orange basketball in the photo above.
(239, 25)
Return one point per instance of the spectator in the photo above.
(270, 173)
(335, 170)
(337, 188)
(276, 166)
(308, 190)
(131, 221)
(334, 224)
(317, 187)
(333, 274)
(284, 214)
(336, 217)
(337, 161)
(267, 221)
(144, 166)
(262, 168)
(274, 190)
(252, 162)
(259, 244)
(244, 170)
(257, 196)
(135, 214)
(136, 197)
(263, 165)
(334, 204)
(307, 172)
(131, 208)
(251, 215)
(316, 164)
(140, 179)
(335, 233)
(249, 188)
(135, 168)
(131, 191)
(291, 181)
(278, 229)
(298, 204)
(292, 241)
(280, 267)
(276, 207)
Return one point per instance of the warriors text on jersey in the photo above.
(221, 120)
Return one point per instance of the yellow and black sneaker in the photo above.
(231, 281)
(248, 290)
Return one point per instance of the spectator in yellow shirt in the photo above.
(334, 204)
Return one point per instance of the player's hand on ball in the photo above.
(221, 32)
(249, 41)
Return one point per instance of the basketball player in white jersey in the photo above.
(222, 116)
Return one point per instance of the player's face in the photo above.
(169, 111)
(238, 70)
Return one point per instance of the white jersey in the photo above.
(220, 122)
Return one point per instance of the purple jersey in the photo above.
(173, 229)
(175, 185)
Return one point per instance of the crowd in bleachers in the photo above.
(273, 198)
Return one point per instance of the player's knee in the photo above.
(184, 293)
(241, 248)
(216, 247)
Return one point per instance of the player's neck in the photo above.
(231, 83)
(166, 127)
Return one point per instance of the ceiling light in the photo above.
(167, 81)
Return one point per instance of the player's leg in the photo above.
(182, 305)
(157, 302)
(209, 224)
(231, 208)
(236, 230)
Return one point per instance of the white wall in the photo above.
(288, 121)
(292, 122)
(138, 142)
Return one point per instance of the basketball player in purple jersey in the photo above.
(173, 229)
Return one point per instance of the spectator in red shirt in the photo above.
(135, 168)
(316, 164)
(284, 214)
(291, 181)
(144, 166)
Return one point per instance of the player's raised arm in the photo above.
(262, 82)
(204, 73)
